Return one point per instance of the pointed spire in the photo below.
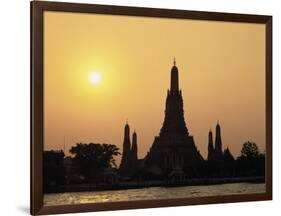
(125, 161)
(127, 133)
(211, 150)
(134, 146)
(227, 155)
(218, 126)
(174, 77)
(210, 138)
(218, 142)
(134, 138)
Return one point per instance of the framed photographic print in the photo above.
(139, 107)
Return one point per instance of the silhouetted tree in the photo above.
(94, 158)
(250, 162)
(250, 150)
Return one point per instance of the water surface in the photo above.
(152, 193)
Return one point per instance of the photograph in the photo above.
(151, 108)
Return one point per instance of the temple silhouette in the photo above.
(174, 149)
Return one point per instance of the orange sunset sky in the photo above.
(101, 70)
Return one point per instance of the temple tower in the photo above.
(174, 77)
(124, 168)
(174, 114)
(174, 147)
(218, 143)
(134, 151)
(211, 150)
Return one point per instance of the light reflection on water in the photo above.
(152, 193)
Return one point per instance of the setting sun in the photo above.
(95, 78)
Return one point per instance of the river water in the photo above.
(152, 193)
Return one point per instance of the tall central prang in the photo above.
(174, 148)
(174, 115)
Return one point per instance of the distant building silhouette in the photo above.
(53, 169)
(174, 148)
(72, 172)
(129, 161)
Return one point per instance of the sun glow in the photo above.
(95, 78)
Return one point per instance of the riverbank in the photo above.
(145, 184)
